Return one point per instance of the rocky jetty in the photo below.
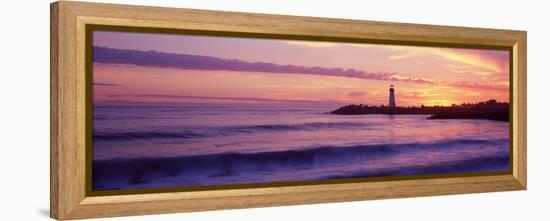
(490, 110)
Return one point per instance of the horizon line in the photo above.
(253, 99)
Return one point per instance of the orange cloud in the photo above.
(484, 64)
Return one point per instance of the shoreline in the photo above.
(497, 116)
(490, 110)
(451, 116)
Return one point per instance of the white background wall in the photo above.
(24, 109)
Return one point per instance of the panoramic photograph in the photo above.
(176, 110)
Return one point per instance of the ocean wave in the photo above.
(136, 171)
(474, 164)
(188, 133)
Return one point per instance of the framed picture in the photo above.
(159, 110)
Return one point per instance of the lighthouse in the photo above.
(392, 98)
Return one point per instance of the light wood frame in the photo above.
(68, 104)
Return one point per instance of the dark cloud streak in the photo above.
(197, 62)
(105, 84)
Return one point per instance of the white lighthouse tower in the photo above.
(392, 98)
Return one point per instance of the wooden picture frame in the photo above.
(70, 199)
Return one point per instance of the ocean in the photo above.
(138, 147)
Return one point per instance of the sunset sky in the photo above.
(182, 69)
